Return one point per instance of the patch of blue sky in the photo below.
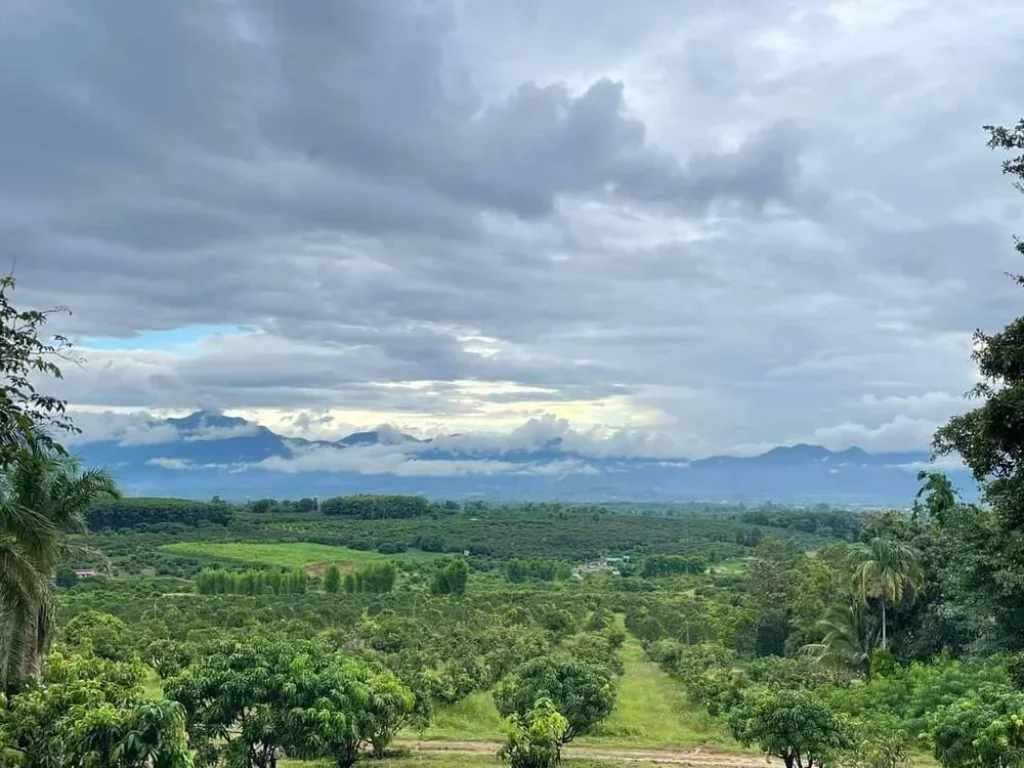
(174, 338)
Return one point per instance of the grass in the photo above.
(287, 555)
(461, 760)
(652, 711)
(151, 686)
(474, 718)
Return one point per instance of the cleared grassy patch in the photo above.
(652, 711)
(474, 718)
(286, 555)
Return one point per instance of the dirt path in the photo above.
(699, 758)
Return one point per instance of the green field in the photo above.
(286, 555)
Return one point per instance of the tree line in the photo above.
(272, 581)
(116, 514)
(375, 507)
(655, 566)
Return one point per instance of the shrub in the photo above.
(451, 579)
(535, 739)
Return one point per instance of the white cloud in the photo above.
(900, 434)
(385, 459)
(548, 430)
(941, 464)
(934, 405)
(208, 432)
(165, 463)
(134, 428)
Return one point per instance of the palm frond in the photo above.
(41, 495)
(21, 589)
(847, 639)
(29, 526)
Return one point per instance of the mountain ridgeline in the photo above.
(206, 454)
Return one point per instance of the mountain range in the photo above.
(206, 454)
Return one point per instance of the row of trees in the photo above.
(372, 578)
(375, 507)
(274, 581)
(282, 506)
(115, 514)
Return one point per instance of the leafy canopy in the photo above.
(986, 729)
(793, 725)
(990, 438)
(28, 418)
(583, 693)
(90, 712)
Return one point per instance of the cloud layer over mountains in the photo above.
(207, 453)
(708, 227)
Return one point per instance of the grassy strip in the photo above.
(286, 555)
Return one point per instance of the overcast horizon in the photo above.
(677, 228)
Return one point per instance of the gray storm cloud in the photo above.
(753, 221)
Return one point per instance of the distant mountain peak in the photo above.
(205, 418)
(853, 452)
(800, 450)
(379, 436)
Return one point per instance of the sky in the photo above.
(684, 226)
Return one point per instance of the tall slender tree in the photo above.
(42, 496)
(936, 496)
(887, 570)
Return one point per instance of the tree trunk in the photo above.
(883, 624)
(379, 746)
(36, 645)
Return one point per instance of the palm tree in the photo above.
(847, 639)
(42, 496)
(887, 570)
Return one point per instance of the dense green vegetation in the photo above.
(143, 513)
(375, 507)
(247, 635)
